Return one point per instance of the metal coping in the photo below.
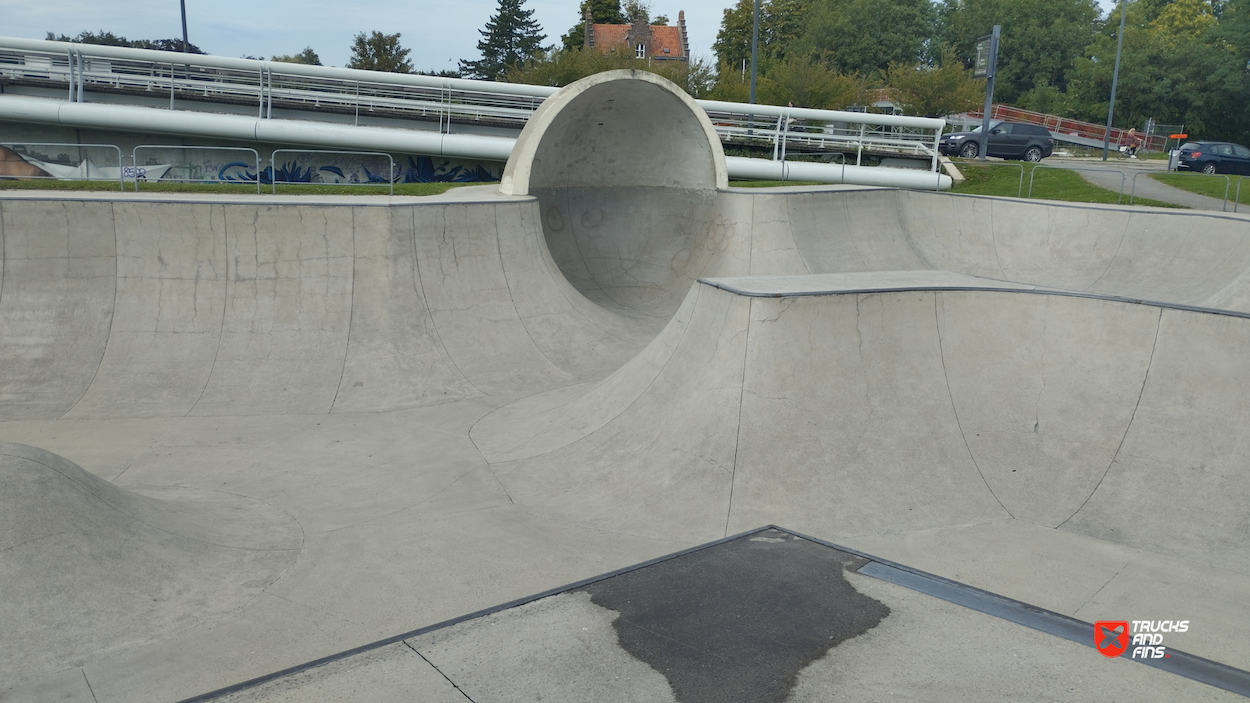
(974, 289)
(1180, 663)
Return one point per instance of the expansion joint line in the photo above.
(733, 473)
(1129, 426)
(942, 352)
(440, 672)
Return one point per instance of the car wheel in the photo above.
(968, 150)
(1033, 153)
(1209, 168)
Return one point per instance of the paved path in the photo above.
(1106, 175)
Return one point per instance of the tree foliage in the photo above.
(805, 80)
(935, 90)
(558, 68)
(1041, 39)
(510, 38)
(781, 22)
(866, 36)
(601, 12)
(307, 57)
(379, 52)
(103, 38)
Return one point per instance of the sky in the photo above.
(439, 32)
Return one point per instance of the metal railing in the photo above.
(191, 78)
(136, 173)
(390, 173)
(1033, 174)
(1237, 197)
(84, 163)
(1227, 184)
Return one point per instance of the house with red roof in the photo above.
(644, 40)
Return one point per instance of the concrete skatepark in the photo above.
(242, 434)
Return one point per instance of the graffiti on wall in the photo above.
(351, 169)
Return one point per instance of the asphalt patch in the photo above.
(739, 620)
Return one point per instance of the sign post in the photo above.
(987, 67)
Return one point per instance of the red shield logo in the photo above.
(1111, 637)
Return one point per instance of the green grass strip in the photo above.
(1211, 186)
(1051, 184)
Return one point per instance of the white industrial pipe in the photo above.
(127, 118)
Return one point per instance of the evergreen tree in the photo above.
(379, 52)
(511, 37)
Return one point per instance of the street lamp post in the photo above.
(183, 3)
(1115, 78)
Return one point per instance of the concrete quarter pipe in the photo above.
(238, 435)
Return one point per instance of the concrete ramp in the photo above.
(1187, 258)
(134, 564)
(127, 309)
(848, 411)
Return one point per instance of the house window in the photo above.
(640, 52)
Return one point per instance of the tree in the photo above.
(808, 81)
(379, 52)
(935, 90)
(866, 36)
(637, 10)
(510, 38)
(558, 68)
(103, 38)
(781, 22)
(307, 57)
(601, 12)
(1041, 39)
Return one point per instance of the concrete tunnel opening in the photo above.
(625, 167)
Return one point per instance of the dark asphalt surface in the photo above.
(740, 620)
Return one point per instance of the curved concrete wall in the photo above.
(613, 129)
(625, 166)
(922, 409)
(130, 309)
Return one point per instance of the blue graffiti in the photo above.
(423, 170)
(241, 174)
(289, 172)
(335, 170)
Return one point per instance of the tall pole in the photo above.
(184, 25)
(755, 47)
(1115, 78)
(991, 72)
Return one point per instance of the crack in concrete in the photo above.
(1127, 428)
(950, 393)
(440, 671)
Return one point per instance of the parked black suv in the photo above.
(1214, 157)
(1008, 140)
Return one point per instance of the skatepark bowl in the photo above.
(617, 431)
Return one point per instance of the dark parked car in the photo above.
(1214, 157)
(1009, 140)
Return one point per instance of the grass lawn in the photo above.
(236, 188)
(1050, 184)
(1202, 184)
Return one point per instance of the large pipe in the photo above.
(125, 118)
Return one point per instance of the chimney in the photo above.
(685, 41)
(588, 42)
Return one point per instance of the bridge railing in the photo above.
(268, 85)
